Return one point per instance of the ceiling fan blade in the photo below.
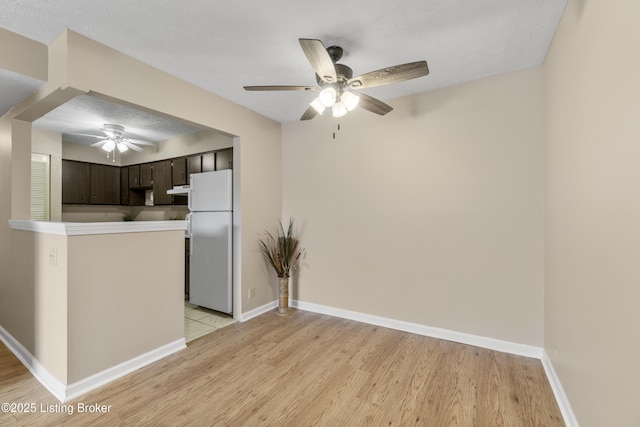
(130, 145)
(260, 88)
(374, 105)
(140, 142)
(388, 75)
(309, 114)
(99, 143)
(320, 60)
(86, 134)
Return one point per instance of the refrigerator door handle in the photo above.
(188, 219)
(189, 199)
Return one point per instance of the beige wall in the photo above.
(22, 55)
(592, 101)
(432, 214)
(125, 297)
(36, 298)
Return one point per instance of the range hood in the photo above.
(179, 190)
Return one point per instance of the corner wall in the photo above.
(432, 214)
(592, 233)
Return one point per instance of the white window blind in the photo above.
(40, 197)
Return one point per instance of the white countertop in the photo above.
(84, 228)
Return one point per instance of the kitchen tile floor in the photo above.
(199, 321)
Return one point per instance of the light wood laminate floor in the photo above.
(307, 370)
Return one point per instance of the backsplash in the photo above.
(87, 213)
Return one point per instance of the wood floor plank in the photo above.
(307, 370)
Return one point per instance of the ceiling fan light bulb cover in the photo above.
(339, 109)
(109, 145)
(122, 148)
(317, 105)
(350, 100)
(328, 96)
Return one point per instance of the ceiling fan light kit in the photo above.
(328, 96)
(337, 84)
(350, 100)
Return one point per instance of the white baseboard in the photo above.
(50, 382)
(111, 374)
(563, 402)
(63, 392)
(258, 311)
(445, 334)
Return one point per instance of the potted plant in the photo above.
(283, 252)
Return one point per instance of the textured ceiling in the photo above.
(85, 115)
(221, 46)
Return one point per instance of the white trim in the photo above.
(445, 334)
(111, 374)
(86, 228)
(50, 382)
(563, 402)
(65, 393)
(258, 311)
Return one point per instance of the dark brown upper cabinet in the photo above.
(141, 176)
(76, 182)
(134, 176)
(224, 159)
(105, 184)
(162, 181)
(180, 171)
(146, 175)
(194, 165)
(208, 162)
(90, 183)
(124, 186)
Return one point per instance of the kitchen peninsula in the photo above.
(109, 297)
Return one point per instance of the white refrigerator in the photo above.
(210, 228)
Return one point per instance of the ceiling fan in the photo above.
(337, 85)
(115, 139)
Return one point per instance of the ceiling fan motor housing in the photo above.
(343, 72)
(113, 130)
(335, 53)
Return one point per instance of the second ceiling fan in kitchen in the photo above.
(115, 139)
(337, 86)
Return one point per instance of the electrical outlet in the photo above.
(53, 256)
(250, 293)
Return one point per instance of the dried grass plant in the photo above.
(282, 250)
